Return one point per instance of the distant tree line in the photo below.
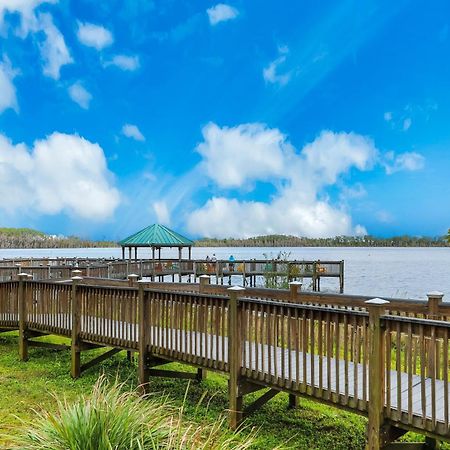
(277, 240)
(28, 238)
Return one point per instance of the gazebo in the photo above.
(155, 236)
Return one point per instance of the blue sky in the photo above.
(225, 119)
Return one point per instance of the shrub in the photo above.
(114, 418)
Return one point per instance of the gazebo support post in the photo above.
(129, 253)
(153, 263)
(190, 259)
(179, 263)
(123, 252)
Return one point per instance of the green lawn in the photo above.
(28, 386)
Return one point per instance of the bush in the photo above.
(114, 418)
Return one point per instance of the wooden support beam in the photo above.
(261, 401)
(294, 401)
(247, 387)
(99, 359)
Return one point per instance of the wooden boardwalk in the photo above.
(388, 361)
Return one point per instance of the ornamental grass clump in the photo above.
(114, 418)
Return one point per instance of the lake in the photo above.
(381, 272)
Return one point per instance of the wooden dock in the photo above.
(248, 272)
(387, 360)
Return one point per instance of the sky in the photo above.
(227, 119)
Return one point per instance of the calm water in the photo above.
(393, 272)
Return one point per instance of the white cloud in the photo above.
(234, 156)
(8, 97)
(25, 9)
(50, 41)
(133, 132)
(80, 95)
(162, 212)
(125, 62)
(94, 36)
(408, 161)
(53, 49)
(388, 116)
(271, 72)
(221, 13)
(60, 174)
(407, 124)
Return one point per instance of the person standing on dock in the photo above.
(231, 263)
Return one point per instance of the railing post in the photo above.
(434, 302)
(204, 282)
(203, 314)
(76, 328)
(132, 279)
(234, 357)
(295, 287)
(49, 271)
(144, 327)
(109, 269)
(376, 308)
(21, 300)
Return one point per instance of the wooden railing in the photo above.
(372, 358)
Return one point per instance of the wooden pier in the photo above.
(385, 359)
(248, 272)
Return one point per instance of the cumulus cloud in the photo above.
(60, 174)
(221, 13)
(271, 72)
(133, 132)
(234, 156)
(124, 62)
(80, 95)
(8, 97)
(408, 161)
(94, 36)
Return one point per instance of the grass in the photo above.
(28, 388)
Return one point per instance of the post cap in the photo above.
(22, 274)
(435, 294)
(204, 276)
(77, 278)
(76, 271)
(133, 275)
(236, 288)
(295, 283)
(376, 301)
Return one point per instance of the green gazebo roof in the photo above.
(156, 236)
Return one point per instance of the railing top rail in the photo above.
(300, 306)
(417, 321)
